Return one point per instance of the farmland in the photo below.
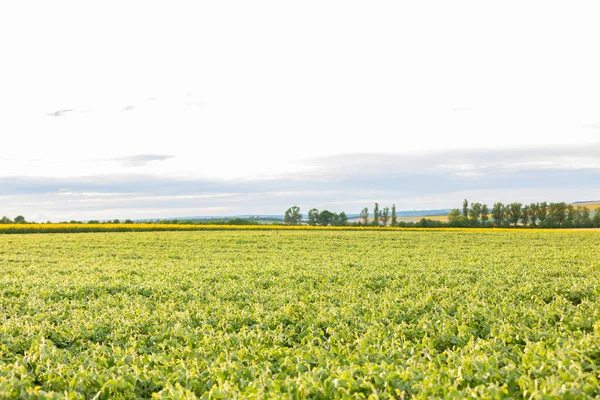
(303, 313)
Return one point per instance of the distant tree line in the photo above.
(534, 215)
(212, 221)
(474, 215)
(293, 216)
(18, 220)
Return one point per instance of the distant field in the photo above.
(591, 206)
(443, 218)
(307, 314)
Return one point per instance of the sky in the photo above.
(143, 109)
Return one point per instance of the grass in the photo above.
(311, 313)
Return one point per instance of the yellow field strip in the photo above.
(82, 228)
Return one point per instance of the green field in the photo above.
(318, 314)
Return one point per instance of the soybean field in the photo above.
(300, 314)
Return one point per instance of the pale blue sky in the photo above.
(148, 109)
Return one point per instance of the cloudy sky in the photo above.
(135, 109)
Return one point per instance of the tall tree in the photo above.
(525, 214)
(385, 216)
(498, 213)
(558, 212)
(514, 212)
(343, 219)
(475, 211)
(292, 216)
(484, 213)
(364, 215)
(376, 215)
(313, 217)
(5, 220)
(394, 216)
(534, 210)
(571, 211)
(20, 219)
(596, 219)
(465, 208)
(543, 211)
(582, 218)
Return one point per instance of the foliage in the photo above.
(326, 217)
(514, 212)
(314, 313)
(342, 219)
(376, 215)
(238, 221)
(525, 213)
(385, 216)
(534, 212)
(484, 213)
(364, 215)
(475, 211)
(313, 217)
(498, 213)
(292, 216)
(454, 215)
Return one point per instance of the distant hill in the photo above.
(424, 213)
(253, 217)
(413, 213)
(591, 205)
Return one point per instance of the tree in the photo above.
(484, 213)
(465, 208)
(571, 213)
(394, 216)
(582, 218)
(596, 219)
(292, 216)
(343, 219)
(20, 219)
(525, 213)
(514, 212)
(385, 216)
(475, 211)
(498, 213)
(376, 215)
(454, 215)
(364, 215)
(543, 211)
(5, 220)
(558, 212)
(313, 217)
(534, 210)
(326, 217)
